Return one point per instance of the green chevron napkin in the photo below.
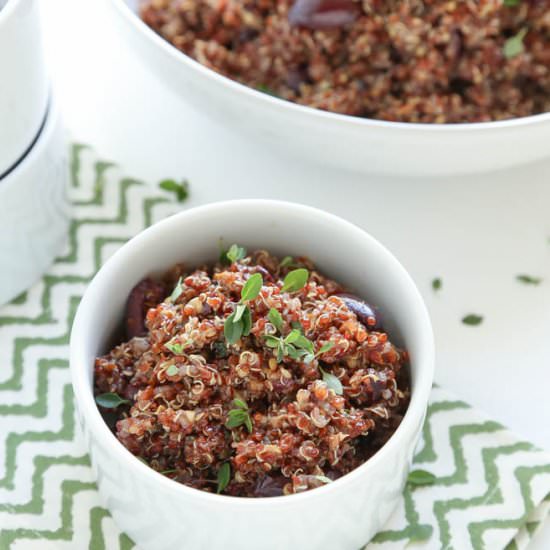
(491, 490)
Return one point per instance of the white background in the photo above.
(476, 233)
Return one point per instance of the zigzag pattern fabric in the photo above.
(492, 490)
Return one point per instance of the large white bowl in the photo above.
(23, 83)
(345, 142)
(160, 514)
(34, 212)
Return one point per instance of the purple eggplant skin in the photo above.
(367, 314)
(146, 294)
(270, 486)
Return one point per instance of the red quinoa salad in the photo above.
(256, 377)
(434, 61)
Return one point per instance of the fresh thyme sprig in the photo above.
(239, 322)
(294, 345)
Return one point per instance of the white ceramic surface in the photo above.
(23, 83)
(159, 513)
(33, 210)
(348, 143)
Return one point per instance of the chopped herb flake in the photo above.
(472, 319)
(437, 284)
(421, 477)
(514, 45)
(175, 347)
(172, 370)
(528, 279)
(181, 190)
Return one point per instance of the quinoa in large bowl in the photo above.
(408, 60)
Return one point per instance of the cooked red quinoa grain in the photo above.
(401, 60)
(197, 402)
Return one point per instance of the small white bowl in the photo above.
(33, 210)
(345, 142)
(24, 86)
(161, 514)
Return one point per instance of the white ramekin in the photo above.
(33, 210)
(24, 86)
(341, 141)
(160, 514)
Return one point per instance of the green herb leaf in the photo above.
(292, 352)
(303, 343)
(240, 404)
(292, 336)
(511, 3)
(181, 190)
(224, 475)
(232, 331)
(472, 319)
(529, 280)
(239, 310)
(327, 346)
(110, 400)
(276, 319)
(272, 341)
(324, 479)
(175, 347)
(238, 417)
(220, 350)
(178, 289)
(421, 477)
(286, 261)
(295, 280)
(172, 471)
(437, 283)
(235, 253)
(246, 321)
(266, 90)
(297, 325)
(332, 382)
(252, 287)
(514, 45)
(172, 370)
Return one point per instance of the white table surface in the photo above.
(476, 233)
